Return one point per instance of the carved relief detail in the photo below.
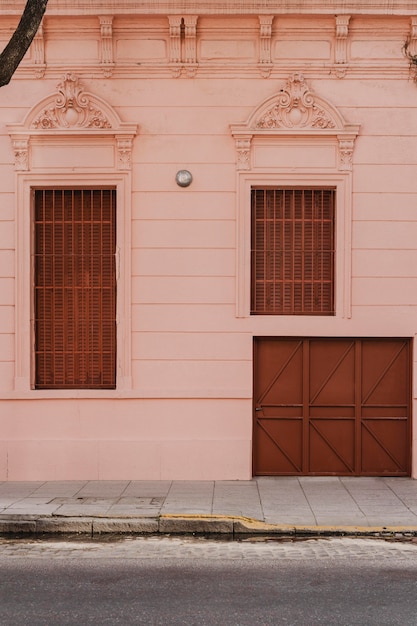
(342, 32)
(346, 145)
(340, 71)
(21, 153)
(38, 46)
(412, 38)
(265, 35)
(296, 107)
(190, 32)
(72, 109)
(175, 22)
(124, 152)
(295, 112)
(183, 45)
(243, 152)
(106, 30)
(72, 116)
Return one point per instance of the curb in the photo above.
(220, 525)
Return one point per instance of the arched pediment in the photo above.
(295, 107)
(296, 111)
(71, 111)
(71, 108)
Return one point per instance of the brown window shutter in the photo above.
(292, 251)
(75, 289)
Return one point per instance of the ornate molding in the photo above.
(410, 48)
(124, 152)
(106, 31)
(243, 144)
(38, 47)
(296, 111)
(190, 45)
(412, 37)
(72, 112)
(346, 146)
(175, 23)
(21, 153)
(296, 107)
(341, 45)
(72, 109)
(190, 38)
(342, 33)
(265, 36)
(183, 45)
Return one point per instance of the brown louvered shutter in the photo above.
(75, 288)
(292, 251)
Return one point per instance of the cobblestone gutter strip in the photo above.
(224, 525)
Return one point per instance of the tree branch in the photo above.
(21, 39)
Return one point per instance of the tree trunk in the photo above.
(21, 39)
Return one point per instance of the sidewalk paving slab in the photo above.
(293, 506)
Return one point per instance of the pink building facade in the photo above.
(208, 241)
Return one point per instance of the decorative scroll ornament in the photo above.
(106, 31)
(72, 109)
(183, 45)
(38, 46)
(346, 146)
(295, 111)
(21, 153)
(124, 152)
(296, 107)
(265, 36)
(73, 116)
(243, 152)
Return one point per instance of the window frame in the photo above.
(290, 252)
(25, 332)
(51, 240)
(341, 183)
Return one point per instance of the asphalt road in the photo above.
(164, 581)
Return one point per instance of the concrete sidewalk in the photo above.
(267, 505)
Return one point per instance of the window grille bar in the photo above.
(292, 251)
(75, 288)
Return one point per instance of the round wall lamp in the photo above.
(183, 178)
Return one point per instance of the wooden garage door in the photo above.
(332, 406)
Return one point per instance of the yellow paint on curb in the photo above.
(258, 525)
(207, 516)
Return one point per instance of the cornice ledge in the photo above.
(223, 7)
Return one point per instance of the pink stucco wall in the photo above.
(183, 406)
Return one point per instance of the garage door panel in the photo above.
(280, 444)
(383, 379)
(331, 446)
(385, 446)
(352, 399)
(278, 380)
(332, 372)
